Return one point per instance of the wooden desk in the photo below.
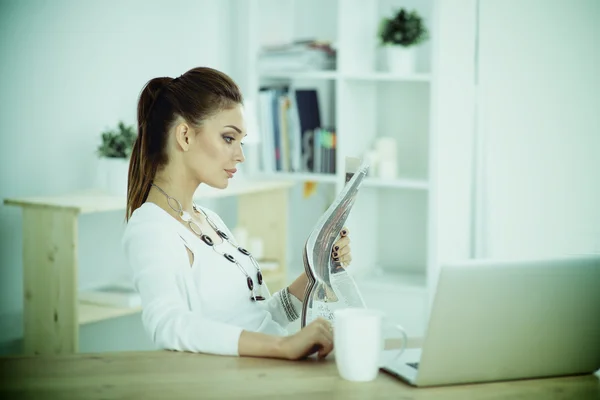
(52, 313)
(173, 375)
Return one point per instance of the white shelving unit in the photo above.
(393, 222)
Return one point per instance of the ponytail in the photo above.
(144, 157)
(194, 96)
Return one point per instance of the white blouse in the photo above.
(202, 307)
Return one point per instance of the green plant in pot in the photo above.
(117, 143)
(114, 152)
(400, 35)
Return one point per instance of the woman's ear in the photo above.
(182, 136)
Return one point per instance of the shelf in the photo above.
(241, 186)
(386, 76)
(417, 184)
(376, 280)
(84, 202)
(352, 76)
(92, 201)
(89, 313)
(379, 281)
(300, 177)
(396, 183)
(299, 75)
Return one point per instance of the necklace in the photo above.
(187, 218)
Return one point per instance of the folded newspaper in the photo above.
(330, 286)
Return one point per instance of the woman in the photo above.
(200, 292)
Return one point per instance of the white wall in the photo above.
(452, 142)
(516, 143)
(540, 103)
(68, 70)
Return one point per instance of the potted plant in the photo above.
(114, 152)
(400, 36)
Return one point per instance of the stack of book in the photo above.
(297, 56)
(294, 139)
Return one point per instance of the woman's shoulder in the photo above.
(148, 213)
(150, 219)
(152, 236)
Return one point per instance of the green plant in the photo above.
(405, 28)
(117, 143)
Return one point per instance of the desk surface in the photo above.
(92, 201)
(174, 375)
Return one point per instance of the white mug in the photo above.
(358, 341)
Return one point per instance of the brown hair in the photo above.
(195, 96)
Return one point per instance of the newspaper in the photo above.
(330, 286)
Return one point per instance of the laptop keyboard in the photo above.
(415, 365)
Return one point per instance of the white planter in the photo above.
(112, 175)
(401, 60)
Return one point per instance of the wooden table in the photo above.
(174, 375)
(52, 313)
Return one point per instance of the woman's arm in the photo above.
(298, 287)
(256, 344)
(282, 307)
(315, 337)
(156, 255)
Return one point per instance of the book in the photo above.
(330, 286)
(309, 119)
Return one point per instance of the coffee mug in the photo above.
(358, 341)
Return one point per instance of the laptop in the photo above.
(504, 320)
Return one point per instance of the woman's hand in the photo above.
(315, 337)
(341, 249)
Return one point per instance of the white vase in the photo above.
(112, 175)
(401, 60)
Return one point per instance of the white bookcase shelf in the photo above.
(299, 177)
(347, 76)
(90, 312)
(386, 76)
(393, 220)
(325, 75)
(409, 184)
(396, 183)
(390, 281)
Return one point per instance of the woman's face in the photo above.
(216, 149)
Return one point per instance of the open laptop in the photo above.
(504, 320)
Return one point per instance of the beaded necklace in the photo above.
(187, 218)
